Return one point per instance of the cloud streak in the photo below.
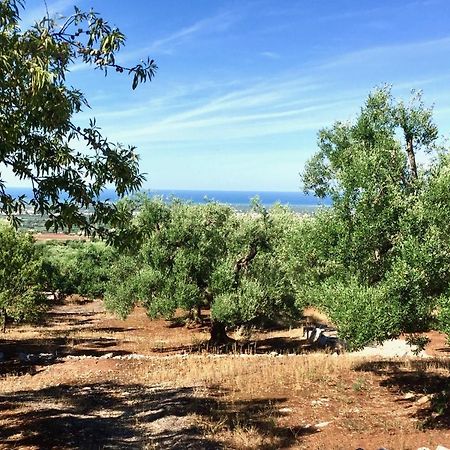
(382, 53)
(245, 113)
(215, 24)
(167, 45)
(35, 14)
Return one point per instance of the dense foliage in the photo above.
(39, 139)
(21, 295)
(379, 259)
(204, 256)
(76, 267)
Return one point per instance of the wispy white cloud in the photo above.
(218, 23)
(215, 24)
(168, 44)
(271, 55)
(274, 107)
(381, 53)
(55, 8)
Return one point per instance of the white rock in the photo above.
(423, 400)
(441, 447)
(390, 348)
(322, 424)
(285, 410)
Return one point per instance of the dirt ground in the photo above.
(86, 380)
(44, 236)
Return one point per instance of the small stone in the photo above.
(423, 400)
(107, 356)
(285, 410)
(322, 424)
(409, 396)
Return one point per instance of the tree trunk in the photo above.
(4, 318)
(243, 262)
(198, 314)
(219, 334)
(411, 158)
(195, 316)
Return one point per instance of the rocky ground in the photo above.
(87, 380)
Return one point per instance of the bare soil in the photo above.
(44, 236)
(86, 380)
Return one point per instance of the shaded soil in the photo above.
(105, 383)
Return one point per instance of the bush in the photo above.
(21, 295)
(82, 268)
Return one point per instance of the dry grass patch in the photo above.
(168, 400)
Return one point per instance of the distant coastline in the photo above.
(239, 200)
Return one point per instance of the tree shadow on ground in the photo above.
(444, 349)
(109, 415)
(428, 377)
(279, 345)
(22, 356)
(60, 346)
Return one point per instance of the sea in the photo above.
(240, 200)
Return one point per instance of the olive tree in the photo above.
(39, 135)
(374, 259)
(20, 275)
(77, 267)
(251, 285)
(181, 245)
(196, 257)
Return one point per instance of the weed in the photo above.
(359, 385)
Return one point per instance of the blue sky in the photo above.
(244, 86)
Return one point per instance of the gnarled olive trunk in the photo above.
(4, 318)
(219, 333)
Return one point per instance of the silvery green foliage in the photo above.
(378, 261)
(205, 256)
(76, 267)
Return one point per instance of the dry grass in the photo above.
(169, 400)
